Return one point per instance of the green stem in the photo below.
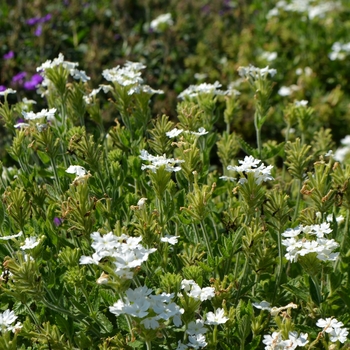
(258, 132)
(296, 211)
(215, 335)
(32, 315)
(280, 266)
(148, 345)
(242, 281)
(206, 238)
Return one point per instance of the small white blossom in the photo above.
(216, 318)
(6, 319)
(173, 133)
(76, 169)
(30, 243)
(162, 22)
(170, 239)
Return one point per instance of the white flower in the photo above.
(339, 334)
(30, 243)
(173, 133)
(44, 113)
(7, 91)
(57, 62)
(195, 328)
(197, 341)
(255, 73)
(170, 239)
(125, 76)
(141, 202)
(216, 318)
(19, 234)
(201, 131)
(228, 178)
(269, 56)
(288, 90)
(21, 125)
(76, 169)
(79, 75)
(181, 346)
(302, 103)
(263, 305)
(161, 22)
(6, 319)
(204, 88)
(158, 161)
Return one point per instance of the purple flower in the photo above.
(19, 77)
(57, 221)
(9, 55)
(38, 30)
(46, 18)
(33, 82)
(2, 88)
(20, 120)
(37, 78)
(33, 21)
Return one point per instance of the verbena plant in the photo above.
(159, 235)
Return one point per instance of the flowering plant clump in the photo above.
(182, 215)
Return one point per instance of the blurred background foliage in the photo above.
(211, 38)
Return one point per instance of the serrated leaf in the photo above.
(105, 322)
(247, 148)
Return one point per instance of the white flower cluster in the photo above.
(44, 113)
(176, 132)
(128, 76)
(333, 328)
(158, 161)
(70, 66)
(193, 290)
(339, 51)
(275, 341)
(298, 245)
(202, 89)
(7, 318)
(250, 165)
(162, 22)
(196, 329)
(256, 73)
(126, 253)
(152, 309)
(304, 6)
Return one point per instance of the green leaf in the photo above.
(2, 214)
(296, 291)
(105, 322)
(43, 156)
(254, 344)
(247, 148)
